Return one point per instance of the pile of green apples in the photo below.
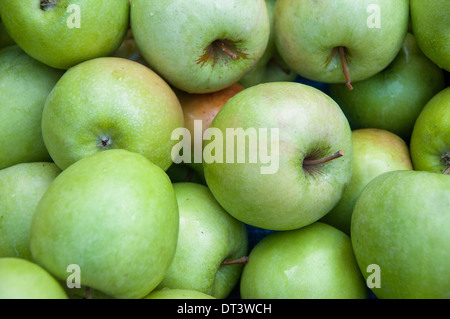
(94, 202)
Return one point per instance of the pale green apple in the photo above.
(22, 279)
(430, 139)
(270, 67)
(375, 152)
(114, 214)
(284, 131)
(110, 103)
(313, 262)
(393, 98)
(178, 294)
(208, 236)
(63, 33)
(24, 86)
(21, 188)
(201, 46)
(430, 21)
(5, 38)
(313, 37)
(400, 229)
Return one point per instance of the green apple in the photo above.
(207, 237)
(375, 152)
(430, 139)
(114, 214)
(24, 86)
(201, 46)
(270, 67)
(272, 166)
(400, 230)
(63, 33)
(178, 294)
(313, 262)
(22, 186)
(109, 103)
(22, 279)
(202, 107)
(393, 98)
(339, 41)
(430, 21)
(5, 38)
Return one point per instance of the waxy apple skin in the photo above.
(430, 21)
(306, 32)
(115, 215)
(110, 103)
(392, 99)
(375, 152)
(47, 35)
(430, 139)
(24, 86)
(313, 262)
(400, 223)
(22, 186)
(310, 124)
(174, 36)
(207, 236)
(23, 279)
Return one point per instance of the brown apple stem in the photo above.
(345, 67)
(188, 176)
(324, 160)
(88, 293)
(446, 171)
(242, 260)
(224, 48)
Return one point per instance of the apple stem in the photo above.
(224, 48)
(446, 171)
(88, 293)
(323, 160)
(188, 176)
(345, 67)
(242, 260)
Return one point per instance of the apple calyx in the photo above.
(221, 49)
(310, 161)
(47, 4)
(105, 141)
(242, 260)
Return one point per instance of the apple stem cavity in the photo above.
(242, 260)
(221, 49)
(345, 67)
(105, 141)
(47, 4)
(309, 162)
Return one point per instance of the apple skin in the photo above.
(207, 236)
(313, 262)
(270, 67)
(178, 294)
(310, 125)
(306, 32)
(22, 187)
(375, 152)
(392, 99)
(115, 215)
(430, 21)
(22, 279)
(115, 99)
(5, 38)
(46, 36)
(430, 139)
(24, 86)
(400, 223)
(173, 37)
